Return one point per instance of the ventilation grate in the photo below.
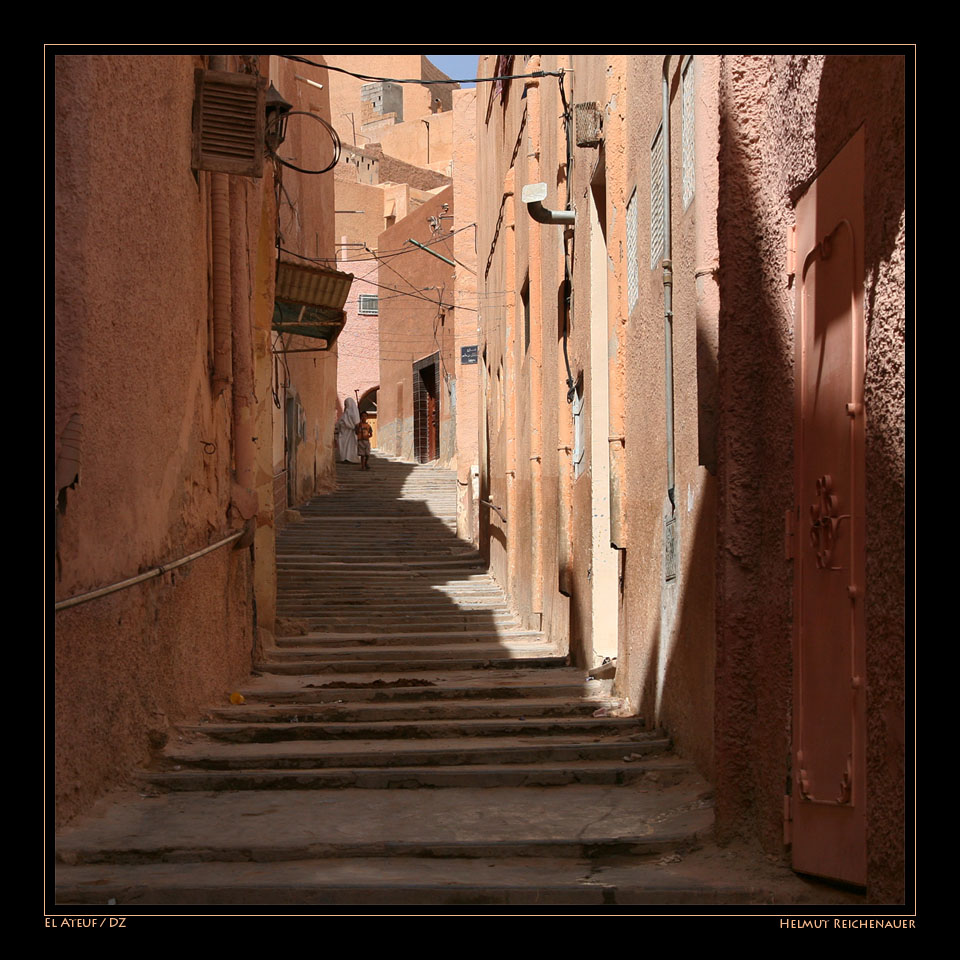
(589, 123)
(228, 122)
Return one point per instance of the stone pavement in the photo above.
(408, 742)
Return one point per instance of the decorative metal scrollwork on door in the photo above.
(824, 521)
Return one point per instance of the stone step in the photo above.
(379, 547)
(410, 653)
(462, 619)
(317, 588)
(440, 607)
(382, 665)
(407, 586)
(473, 776)
(403, 741)
(458, 709)
(445, 728)
(453, 762)
(471, 600)
(391, 579)
(305, 824)
(422, 637)
(376, 881)
(430, 684)
(466, 627)
(426, 566)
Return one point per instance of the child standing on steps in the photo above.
(364, 433)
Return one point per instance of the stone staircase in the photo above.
(400, 669)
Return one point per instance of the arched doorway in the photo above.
(368, 405)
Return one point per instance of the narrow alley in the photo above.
(616, 615)
(399, 668)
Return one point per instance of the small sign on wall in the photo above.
(468, 354)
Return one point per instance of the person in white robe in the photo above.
(347, 432)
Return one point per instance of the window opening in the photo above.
(633, 266)
(656, 199)
(689, 168)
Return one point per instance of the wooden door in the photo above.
(426, 409)
(829, 717)
(431, 410)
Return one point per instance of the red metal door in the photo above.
(829, 718)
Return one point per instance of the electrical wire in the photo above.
(423, 83)
(335, 137)
(283, 359)
(402, 293)
(387, 254)
(398, 273)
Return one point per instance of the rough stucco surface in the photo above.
(358, 356)
(755, 463)
(307, 227)
(465, 178)
(665, 666)
(411, 139)
(345, 90)
(782, 120)
(669, 628)
(413, 326)
(132, 360)
(709, 655)
(392, 168)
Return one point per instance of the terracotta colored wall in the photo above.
(307, 225)
(358, 354)
(523, 411)
(419, 144)
(414, 326)
(465, 252)
(667, 626)
(402, 185)
(133, 359)
(665, 644)
(345, 91)
(399, 170)
(707, 655)
(782, 120)
(353, 228)
(358, 349)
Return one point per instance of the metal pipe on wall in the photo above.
(220, 238)
(147, 575)
(232, 341)
(667, 282)
(244, 497)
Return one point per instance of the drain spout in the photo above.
(533, 195)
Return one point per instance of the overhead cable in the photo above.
(425, 83)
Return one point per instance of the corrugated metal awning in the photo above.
(309, 301)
